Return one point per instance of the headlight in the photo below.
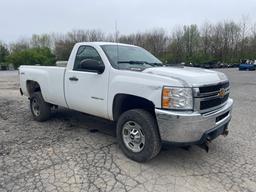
(177, 98)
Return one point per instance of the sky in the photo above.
(22, 18)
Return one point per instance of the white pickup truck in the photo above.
(151, 103)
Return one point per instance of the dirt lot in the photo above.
(76, 152)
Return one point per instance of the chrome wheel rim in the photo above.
(35, 107)
(133, 136)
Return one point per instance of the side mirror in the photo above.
(92, 66)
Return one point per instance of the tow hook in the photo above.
(205, 145)
(225, 132)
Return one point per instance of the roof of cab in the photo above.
(103, 43)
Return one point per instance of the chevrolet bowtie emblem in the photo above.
(221, 92)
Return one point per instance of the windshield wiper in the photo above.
(140, 63)
(133, 62)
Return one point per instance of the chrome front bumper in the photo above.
(190, 127)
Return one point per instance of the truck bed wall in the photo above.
(50, 79)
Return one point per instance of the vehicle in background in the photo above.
(6, 66)
(150, 102)
(247, 65)
(3, 67)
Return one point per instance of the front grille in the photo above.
(213, 88)
(213, 102)
(211, 96)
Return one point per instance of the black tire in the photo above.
(148, 125)
(43, 109)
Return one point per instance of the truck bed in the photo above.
(50, 78)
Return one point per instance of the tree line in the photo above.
(225, 42)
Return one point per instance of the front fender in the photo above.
(139, 84)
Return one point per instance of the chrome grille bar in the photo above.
(213, 99)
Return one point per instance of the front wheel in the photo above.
(39, 108)
(138, 136)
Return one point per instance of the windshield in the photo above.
(130, 57)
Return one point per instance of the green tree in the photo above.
(4, 52)
(41, 41)
(32, 56)
(191, 39)
(20, 45)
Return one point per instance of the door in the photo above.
(86, 89)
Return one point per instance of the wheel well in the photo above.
(125, 102)
(32, 86)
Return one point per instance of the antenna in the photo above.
(116, 40)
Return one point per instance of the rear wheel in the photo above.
(39, 108)
(138, 136)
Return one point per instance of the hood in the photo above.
(189, 76)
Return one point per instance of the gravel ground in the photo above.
(76, 152)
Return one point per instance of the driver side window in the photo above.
(85, 52)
